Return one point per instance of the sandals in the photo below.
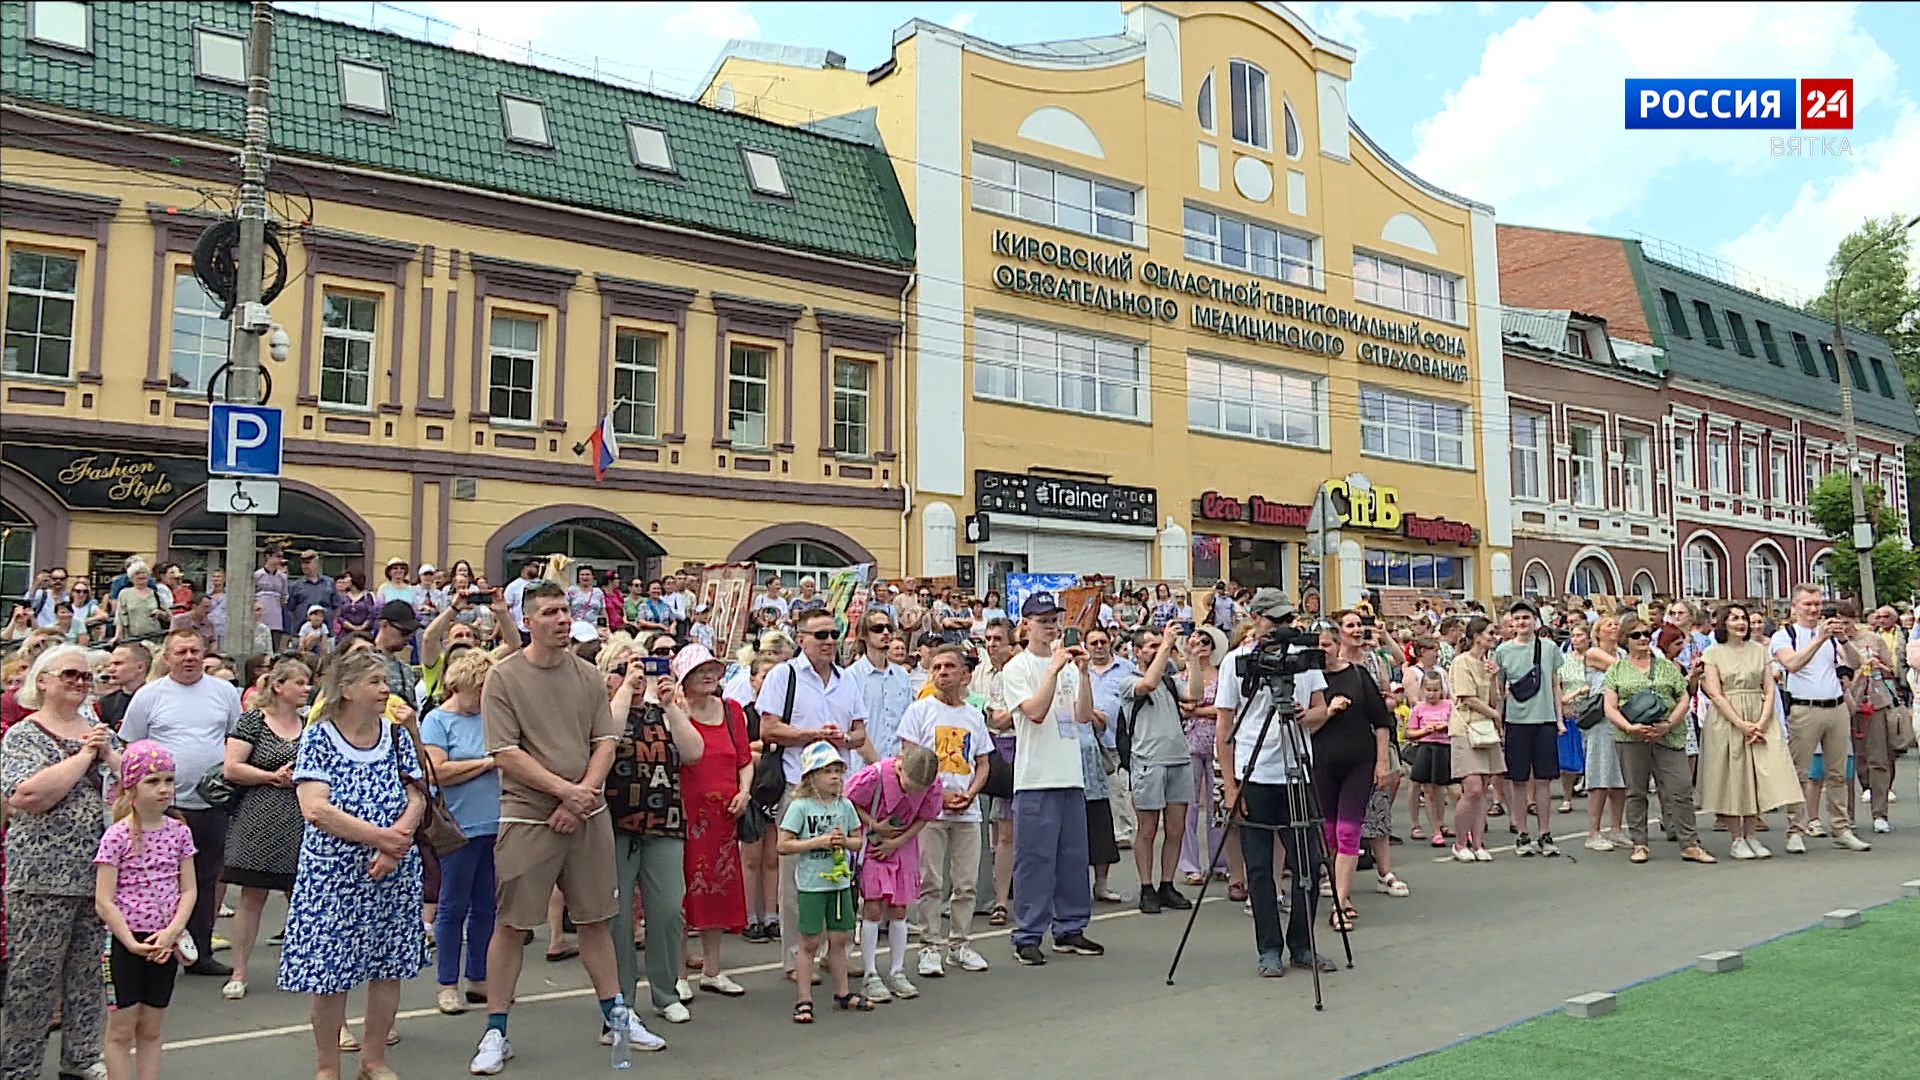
(234, 990)
(568, 952)
(1236, 893)
(803, 1013)
(852, 1003)
(1391, 885)
(1342, 919)
(1196, 879)
(1418, 833)
(997, 916)
(351, 1045)
(1497, 810)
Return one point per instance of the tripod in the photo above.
(1305, 822)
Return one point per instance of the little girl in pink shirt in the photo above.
(895, 799)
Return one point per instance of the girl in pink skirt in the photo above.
(895, 798)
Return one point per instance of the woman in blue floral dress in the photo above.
(355, 912)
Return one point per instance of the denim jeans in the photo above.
(466, 912)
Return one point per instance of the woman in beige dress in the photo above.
(1745, 768)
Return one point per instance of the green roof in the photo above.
(446, 124)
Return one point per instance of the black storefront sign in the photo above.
(123, 480)
(1071, 500)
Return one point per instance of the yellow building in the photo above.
(1167, 292)
(482, 259)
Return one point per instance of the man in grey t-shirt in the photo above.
(1530, 669)
(1161, 767)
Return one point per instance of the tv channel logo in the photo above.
(1739, 104)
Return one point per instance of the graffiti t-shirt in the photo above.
(643, 787)
(956, 734)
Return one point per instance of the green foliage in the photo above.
(1894, 564)
(1894, 569)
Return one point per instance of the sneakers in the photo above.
(1271, 966)
(1463, 854)
(931, 964)
(676, 1013)
(1078, 945)
(683, 989)
(1547, 847)
(1482, 855)
(720, 984)
(902, 987)
(755, 934)
(494, 1053)
(874, 989)
(1523, 846)
(638, 1036)
(1149, 900)
(1739, 849)
(1882, 825)
(1170, 898)
(1599, 842)
(1759, 850)
(1796, 844)
(968, 959)
(1815, 829)
(1619, 838)
(1029, 955)
(1845, 839)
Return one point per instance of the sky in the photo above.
(1514, 104)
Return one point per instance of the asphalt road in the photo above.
(1475, 947)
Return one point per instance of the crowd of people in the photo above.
(431, 772)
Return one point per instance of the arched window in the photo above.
(603, 545)
(1823, 575)
(1536, 582)
(1292, 129)
(1643, 585)
(1247, 96)
(796, 559)
(1700, 570)
(1204, 104)
(1766, 579)
(1590, 578)
(16, 553)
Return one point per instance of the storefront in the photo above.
(1043, 524)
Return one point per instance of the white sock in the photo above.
(869, 944)
(897, 944)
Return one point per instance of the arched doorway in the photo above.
(309, 519)
(583, 534)
(799, 549)
(16, 552)
(1591, 577)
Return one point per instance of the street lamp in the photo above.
(1862, 528)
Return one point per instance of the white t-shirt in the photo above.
(1276, 752)
(1817, 681)
(956, 734)
(517, 596)
(740, 688)
(191, 721)
(1046, 754)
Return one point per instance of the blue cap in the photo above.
(1039, 604)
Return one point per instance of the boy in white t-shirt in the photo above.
(957, 734)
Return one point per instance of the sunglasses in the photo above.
(75, 677)
(881, 629)
(662, 651)
(1639, 635)
(825, 635)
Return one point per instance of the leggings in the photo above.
(467, 906)
(1344, 787)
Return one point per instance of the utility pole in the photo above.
(1863, 539)
(250, 270)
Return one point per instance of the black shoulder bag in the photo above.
(1529, 685)
(770, 772)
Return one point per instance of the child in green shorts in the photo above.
(821, 827)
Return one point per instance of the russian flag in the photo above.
(605, 445)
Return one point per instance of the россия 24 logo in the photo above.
(1741, 104)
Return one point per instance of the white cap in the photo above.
(426, 568)
(317, 607)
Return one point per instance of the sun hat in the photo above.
(819, 755)
(690, 657)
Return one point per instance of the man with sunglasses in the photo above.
(886, 687)
(804, 700)
(49, 590)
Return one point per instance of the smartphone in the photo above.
(1829, 611)
(484, 599)
(656, 666)
(1070, 637)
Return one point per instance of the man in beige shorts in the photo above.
(550, 729)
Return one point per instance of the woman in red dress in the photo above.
(714, 791)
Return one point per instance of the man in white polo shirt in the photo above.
(805, 700)
(1812, 649)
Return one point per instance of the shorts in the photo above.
(529, 860)
(1533, 752)
(1433, 763)
(136, 980)
(821, 912)
(1155, 787)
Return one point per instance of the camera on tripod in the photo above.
(1284, 653)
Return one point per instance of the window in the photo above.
(200, 336)
(1583, 468)
(220, 57)
(1244, 245)
(1247, 90)
(1764, 578)
(16, 554)
(512, 368)
(1709, 326)
(1412, 429)
(763, 173)
(1529, 455)
(1777, 475)
(363, 86)
(1700, 570)
(346, 349)
(797, 560)
(1037, 193)
(41, 289)
(1749, 471)
(1405, 288)
(1590, 578)
(747, 384)
(1292, 128)
(1057, 369)
(1633, 473)
(1391, 568)
(65, 25)
(1811, 473)
(526, 120)
(1676, 315)
(649, 147)
(1718, 463)
(852, 407)
(1738, 327)
(1833, 366)
(1805, 354)
(1683, 461)
(1880, 381)
(1767, 343)
(1256, 402)
(1576, 344)
(1854, 371)
(1535, 581)
(1823, 576)
(636, 384)
(1204, 104)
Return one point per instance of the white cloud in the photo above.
(1882, 177)
(1539, 131)
(1346, 22)
(960, 20)
(704, 21)
(505, 31)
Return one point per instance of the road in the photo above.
(1474, 948)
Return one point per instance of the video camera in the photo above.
(1282, 654)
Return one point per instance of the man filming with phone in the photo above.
(1813, 649)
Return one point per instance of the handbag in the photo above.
(217, 791)
(437, 829)
(999, 776)
(1646, 707)
(770, 772)
(1593, 713)
(751, 826)
(1482, 734)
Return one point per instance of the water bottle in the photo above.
(622, 1049)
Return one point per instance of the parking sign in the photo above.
(243, 440)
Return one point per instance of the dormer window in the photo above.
(526, 120)
(764, 174)
(363, 87)
(1577, 343)
(220, 57)
(63, 25)
(649, 147)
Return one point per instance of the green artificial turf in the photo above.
(1817, 1003)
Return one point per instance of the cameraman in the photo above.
(1272, 803)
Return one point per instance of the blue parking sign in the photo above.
(243, 440)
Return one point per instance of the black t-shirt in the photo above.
(643, 788)
(112, 708)
(1347, 739)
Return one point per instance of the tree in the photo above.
(1881, 297)
(1894, 563)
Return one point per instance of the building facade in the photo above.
(1168, 292)
(481, 260)
(1752, 415)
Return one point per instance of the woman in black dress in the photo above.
(1351, 752)
(263, 843)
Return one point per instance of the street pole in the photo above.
(250, 270)
(1863, 539)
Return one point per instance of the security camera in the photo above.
(278, 343)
